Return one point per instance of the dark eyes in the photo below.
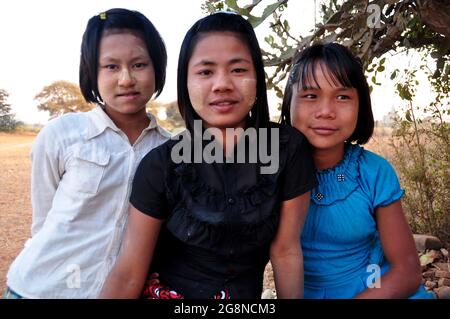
(110, 67)
(209, 72)
(114, 67)
(310, 96)
(204, 72)
(140, 65)
(239, 70)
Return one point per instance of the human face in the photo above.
(126, 78)
(325, 113)
(221, 80)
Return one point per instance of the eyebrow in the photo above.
(232, 61)
(341, 88)
(109, 58)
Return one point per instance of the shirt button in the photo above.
(319, 196)
(231, 200)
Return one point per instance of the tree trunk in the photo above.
(436, 15)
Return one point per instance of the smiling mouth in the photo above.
(129, 95)
(324, 130)
(223, 106)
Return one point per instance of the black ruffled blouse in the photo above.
(219, 218)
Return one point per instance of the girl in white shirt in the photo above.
(83, 164)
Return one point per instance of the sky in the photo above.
(40, 44)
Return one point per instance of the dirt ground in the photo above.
(15, 206)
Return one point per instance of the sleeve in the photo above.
(148, 192)
(382, 181)
(299, 174)
(47, 168)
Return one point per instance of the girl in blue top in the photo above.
(356, 236)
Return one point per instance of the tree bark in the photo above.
(435, 14)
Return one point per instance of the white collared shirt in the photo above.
(82, 171)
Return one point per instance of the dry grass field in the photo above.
(15, 206)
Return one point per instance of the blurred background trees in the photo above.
(7, 120)
(62, 97)
(167, 115)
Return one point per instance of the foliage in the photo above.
(167, 114)
(421, 146)
(62, 97)
(369, 28)
(7, 121)
(24, 128)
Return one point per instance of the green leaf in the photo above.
(286, 25)
(380, 68)
(428, 258)
(406, 43)
(394, 74)
(279, 94)
(256, 21)
(408, 116)
(435, 54)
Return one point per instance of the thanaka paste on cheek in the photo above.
(248, 90)
(196, 95)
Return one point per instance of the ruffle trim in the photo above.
(338, 182)
(186, 226)
(201, 221)
(207, 197)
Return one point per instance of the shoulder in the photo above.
(161, 154)
(161, 131)
(64, 129)
(379, 179)
(372, 161)
(375, 169)
(65, 122)
(288, 135)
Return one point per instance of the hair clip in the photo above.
(226, 12)
(102, 16)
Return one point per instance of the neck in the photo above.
(131, 124)
(228, 141)
(328, 158)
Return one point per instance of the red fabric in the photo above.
(158, 291)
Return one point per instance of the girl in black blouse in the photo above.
(208, 221)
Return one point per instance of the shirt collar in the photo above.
(100, 121)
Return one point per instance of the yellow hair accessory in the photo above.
(102, 16)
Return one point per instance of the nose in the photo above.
(126, 78)
(222, 82)
(325, 109)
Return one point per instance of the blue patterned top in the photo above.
(340, 239)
